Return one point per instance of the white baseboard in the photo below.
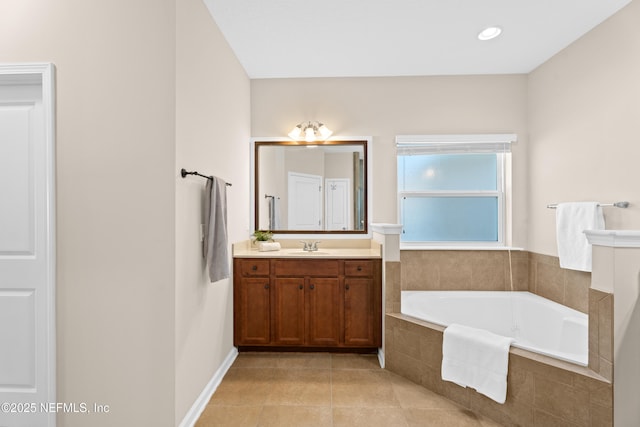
(381, 357)
(200, 404)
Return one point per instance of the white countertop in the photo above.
(247, 250)
(614, 238)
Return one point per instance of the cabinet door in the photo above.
(253, 312)
(359, 309)
(323, 312)
(288, 311)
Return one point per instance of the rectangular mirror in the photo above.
(311, 188)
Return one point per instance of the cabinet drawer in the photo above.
(358, 268)
(254, 267)
(307, 267)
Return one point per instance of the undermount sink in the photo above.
(301, 252)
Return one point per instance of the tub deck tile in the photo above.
(541, 391)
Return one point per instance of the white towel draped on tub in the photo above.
(572, 219)
(215, 229)
(476, 358)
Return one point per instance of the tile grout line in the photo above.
(331, 387)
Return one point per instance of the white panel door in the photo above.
(27, 331)
(338, 206)
(305, 201)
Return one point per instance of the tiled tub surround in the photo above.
(541, 390)
(601, 333)
(489, 271)
(444, 270)
(567, 287)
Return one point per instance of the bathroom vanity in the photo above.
(330, 299)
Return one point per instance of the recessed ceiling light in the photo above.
(489, 33)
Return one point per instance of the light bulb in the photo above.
(489, 33)
(309, 134)
(295, 132)
(324, 131)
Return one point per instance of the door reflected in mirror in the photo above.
(311, 187)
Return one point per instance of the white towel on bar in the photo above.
(572, 219)
(215, 230)
(476, 358)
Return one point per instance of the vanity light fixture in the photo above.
(311, 131)
(489, 33)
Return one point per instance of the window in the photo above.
(451, 188)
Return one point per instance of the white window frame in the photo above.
(499, 144)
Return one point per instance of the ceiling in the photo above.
(357, 38)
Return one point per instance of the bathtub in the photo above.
(536, 323)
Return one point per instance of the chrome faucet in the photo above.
(310, 246)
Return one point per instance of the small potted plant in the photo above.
(262, 235)
(264, 239)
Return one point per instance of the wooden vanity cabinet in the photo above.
(306, 302)
(252, 302)
(312, 303)
(362, 305)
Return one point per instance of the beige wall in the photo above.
(386, 107)
(575, 117)
(339, 165)
(212, 136)
(583, 124)
(138, 327)
(115, 85)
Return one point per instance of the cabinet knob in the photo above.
(254, 267)
(312, 286)
(346, 287)
(266, 286)
(359, 268)
(300, 286)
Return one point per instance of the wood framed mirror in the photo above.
(311, 188)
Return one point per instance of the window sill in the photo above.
(436, 247)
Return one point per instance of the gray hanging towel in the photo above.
(215, 229)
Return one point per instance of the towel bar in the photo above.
(184, 173)
(623, 205)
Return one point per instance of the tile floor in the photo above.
(322, 389)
